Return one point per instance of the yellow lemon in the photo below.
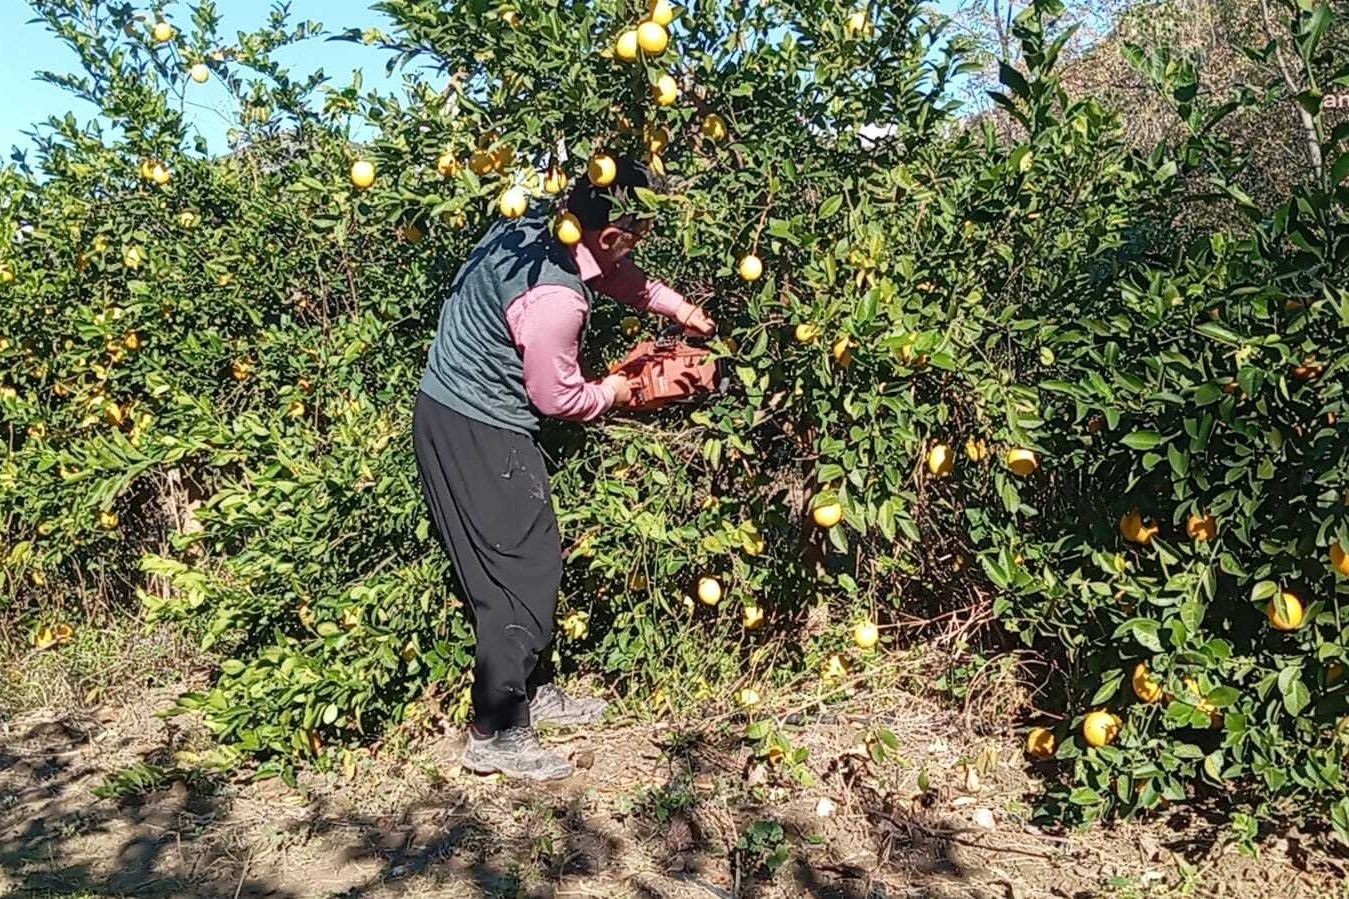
(662, 13)
(1339, 559)
(714, 127)
(709, 591)
(554, 180)
(163, 32)
(295, 409)
(511, 18)
(665, 90)
(107, 518)
(834, 667)
(113, 414)
(753, 617)
(866, 635)
(827, 515)
(362, 173)
(751, 267)
(1135, 530)
(240, 369)
(1309, 370)
(653, 38)
(513, 202)
(568, 229)
(1022, 462)
(200, 72)
(1201, 528)
(1040, 743)
(626, 48)
(843, 351)
(602, 170)
(856, 23)
(1146, 687)
(1100, 728)
(940, 460)
(482, 162)
(657, 139)
(806, 332)
(1293, 621)
(447, 165)
(159, 173)
(133, 257)
(6, 273)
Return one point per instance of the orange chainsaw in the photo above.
(668, 370)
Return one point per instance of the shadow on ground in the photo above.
(662, 814)
(185, 835)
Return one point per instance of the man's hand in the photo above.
(696, 321)
(618, 383)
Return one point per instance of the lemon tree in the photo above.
(976, 366)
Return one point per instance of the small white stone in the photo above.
(971, 780)
(983, 817)
(824, 808)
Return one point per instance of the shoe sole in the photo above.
(555, 723)
(488, 768)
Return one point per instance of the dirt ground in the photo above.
(670, 810)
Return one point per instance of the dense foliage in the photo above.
(1023, 387)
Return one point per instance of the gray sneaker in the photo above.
(552, 707)
(514, 752)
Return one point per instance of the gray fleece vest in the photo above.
(473, 366)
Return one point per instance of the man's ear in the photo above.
(609, 236)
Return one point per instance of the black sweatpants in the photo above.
(487, 490)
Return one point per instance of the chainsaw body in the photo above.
(665, 371)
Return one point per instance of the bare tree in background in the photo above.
(1232, 45)
(987, 25)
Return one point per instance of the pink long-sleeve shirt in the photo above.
(546, 323)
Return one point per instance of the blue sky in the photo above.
(30, 48)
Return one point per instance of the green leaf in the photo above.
(1144, 630)
(1142, 440)
(1219, 333)
(1109, 687)
(1296, 697)
(1264, 590)
(1340, 170)
(1084, 796)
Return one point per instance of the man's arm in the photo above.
(546, 324)
(628, 284)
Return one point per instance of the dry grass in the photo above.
(111, 658)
